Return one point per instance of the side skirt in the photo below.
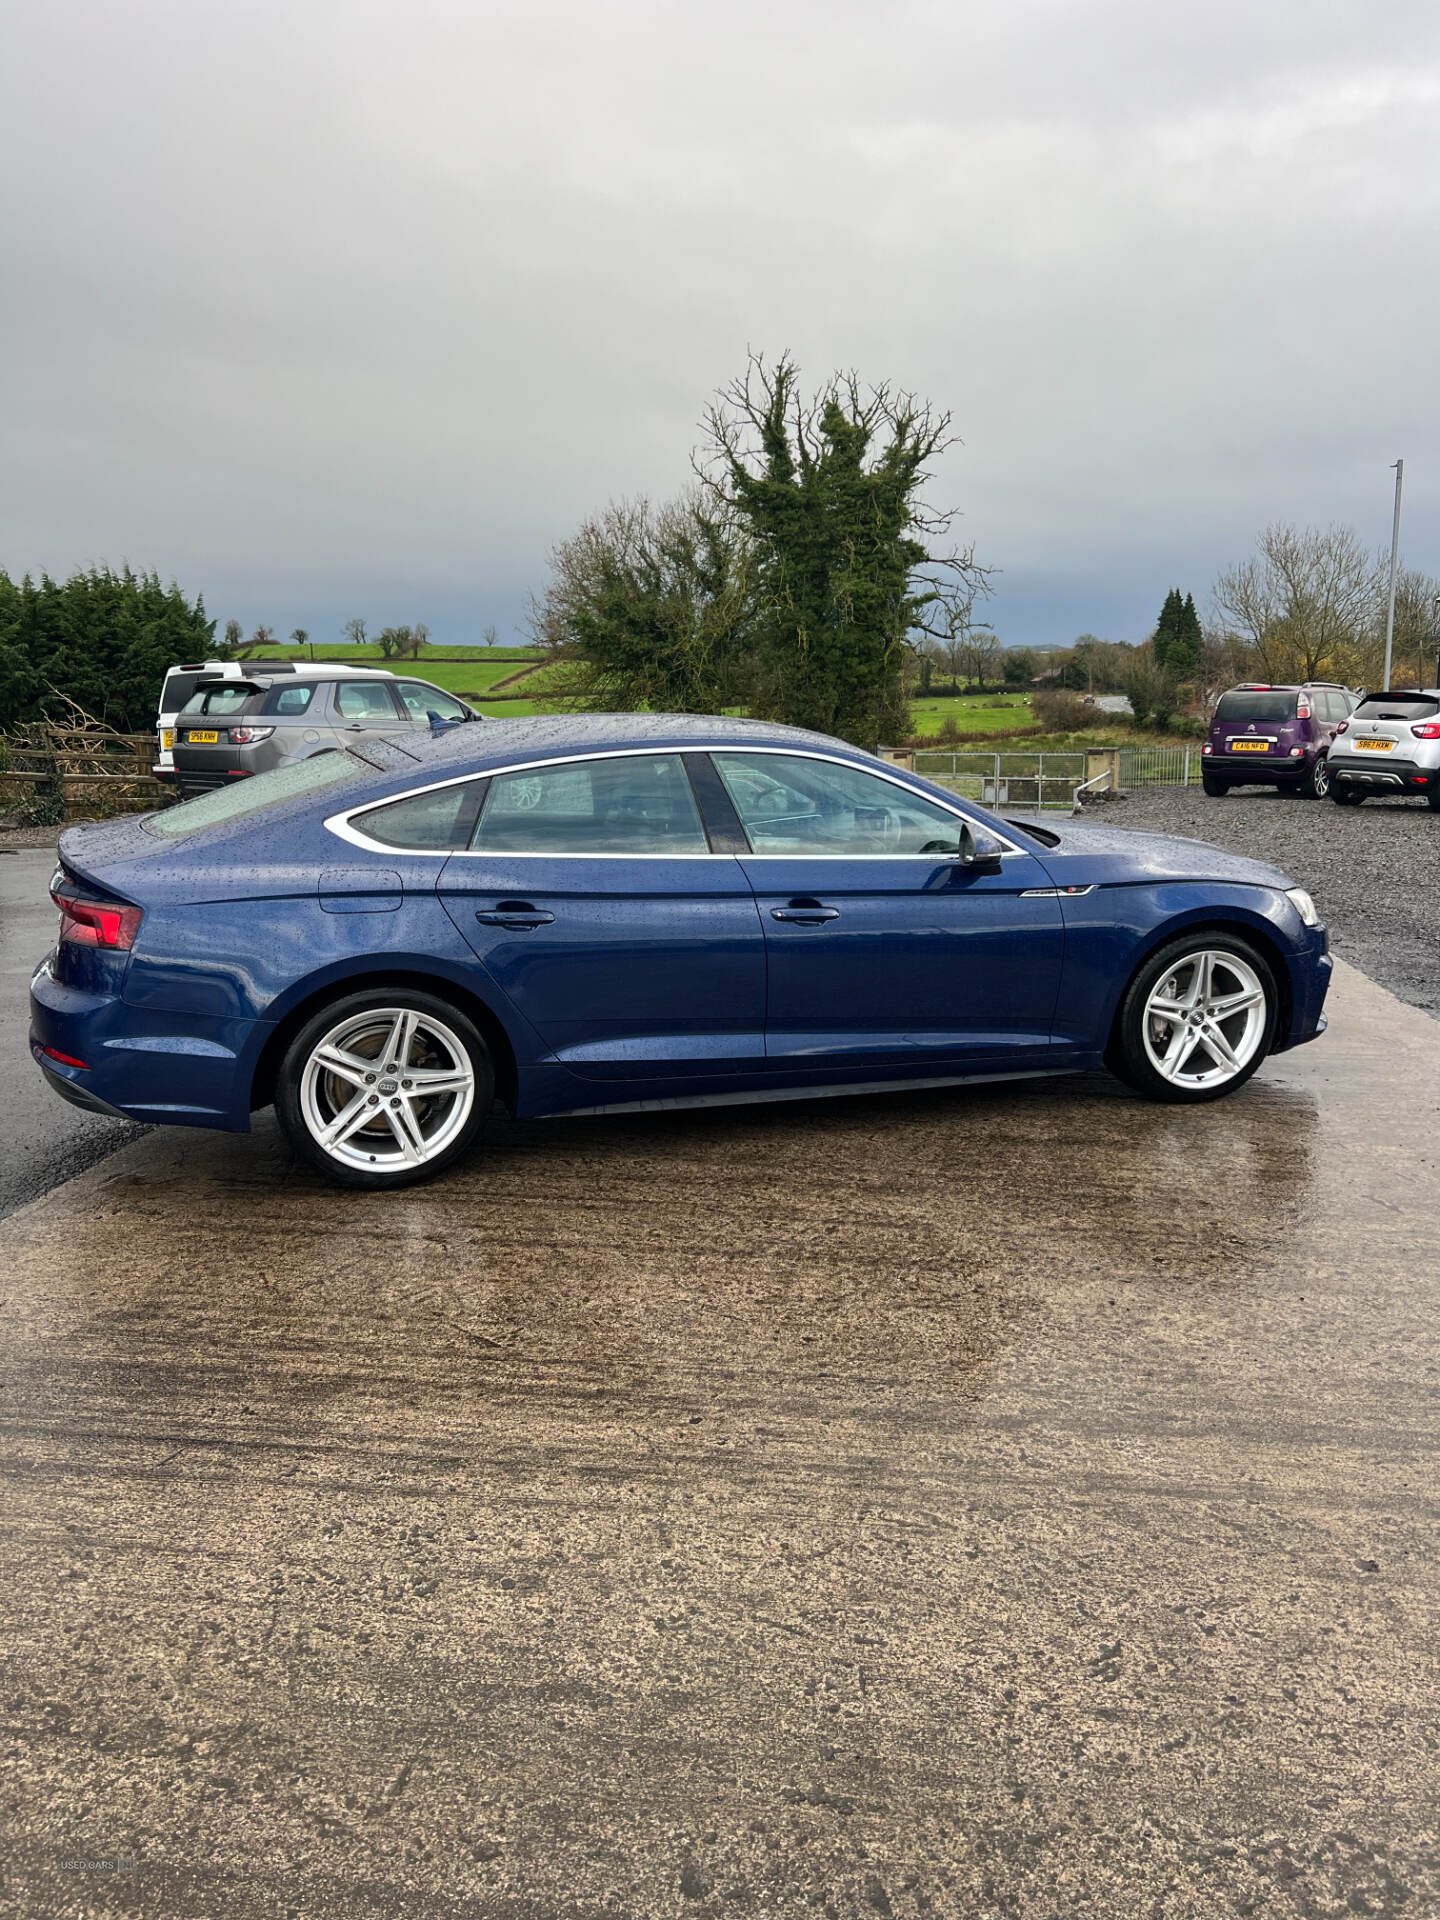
(851, 1088)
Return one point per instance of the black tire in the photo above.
(1316, 784)
(1127, 1056)
(445, 1040)
(1345, 796)
(1213, 785)
(1432, 799)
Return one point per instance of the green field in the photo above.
(458, 669)
(974, 713)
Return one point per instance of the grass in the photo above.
(342, 650)
(973, 713)
(462, 670)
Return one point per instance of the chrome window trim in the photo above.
(340, 823)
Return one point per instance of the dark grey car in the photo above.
(231, 728)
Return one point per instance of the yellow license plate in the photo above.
(167, 739)
(202, 739)
(1374, 746)
(1236, 746)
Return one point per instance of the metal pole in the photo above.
(1394, 563)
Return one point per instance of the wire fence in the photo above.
(1038, 781)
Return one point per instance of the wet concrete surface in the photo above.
(42, 1140)
(1003, 1503)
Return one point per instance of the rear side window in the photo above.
(230, 698)
(364, 700)
(438, 822)
(288, 699)
(1242, 707)
(293, 781)
(633, 804)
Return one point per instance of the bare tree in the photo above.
(1305, 603)
(1417, 628)
(263, 637)
(490, 636)
(354, 630)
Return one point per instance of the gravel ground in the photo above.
(1372, 869)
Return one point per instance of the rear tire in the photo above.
(1213, 785)
(1316, 784)
(1197, 1019)
(1432, 799)
(384, 1087)
(1345, 796)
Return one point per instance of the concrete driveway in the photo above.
(1013, 1503)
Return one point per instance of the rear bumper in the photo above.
(1382, 772)
(164, 1069)
(1277, 769)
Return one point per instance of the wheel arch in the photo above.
(492, 1028)
(1218, 920)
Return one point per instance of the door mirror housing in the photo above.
(979, 853)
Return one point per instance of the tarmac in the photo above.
(1013, 1502)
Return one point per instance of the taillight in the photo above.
(1427, 730)
(247, 736)
(1302, 710)
(1344, 727)
(97, 923)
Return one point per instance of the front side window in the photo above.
(632, 804)
(791, 805)
(422, 700)
(364, 700)
(437, 822)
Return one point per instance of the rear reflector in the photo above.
(97, 923)
(65, 1059)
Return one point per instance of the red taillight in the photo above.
(1302, 710)
(1344, 727)
(96, 923)
(65, 1059)
(1427, 730)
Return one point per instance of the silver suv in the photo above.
(1389, 745)
(230, 728)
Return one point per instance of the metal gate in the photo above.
(1027, 781)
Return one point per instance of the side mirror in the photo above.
(977, 856)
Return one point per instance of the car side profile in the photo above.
(1272, 736)
(604, 912)
(1389, 746)
(234, 727)
(180, 683)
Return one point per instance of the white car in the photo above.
(181, 682)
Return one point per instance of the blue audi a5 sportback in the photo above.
(576, 914)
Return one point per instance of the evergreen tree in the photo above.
(1167, 629)
(1183, 659)
(103, 638)
(828, 492)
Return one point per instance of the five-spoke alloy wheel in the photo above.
(385, 1087)
(1197, 1019)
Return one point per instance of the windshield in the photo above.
(1244, 707)
(254, 795)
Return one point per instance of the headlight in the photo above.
(1303, 905)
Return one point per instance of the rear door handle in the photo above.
(805, 913)
(518, 915)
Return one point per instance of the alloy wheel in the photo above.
(1320, 778)
(1205, 1019)
(386, 1089)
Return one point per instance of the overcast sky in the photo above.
(332, 307)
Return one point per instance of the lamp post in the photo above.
(1394, 563)
(1435, 634)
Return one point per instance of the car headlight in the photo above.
(1303, 905)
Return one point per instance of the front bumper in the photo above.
(1382, 773)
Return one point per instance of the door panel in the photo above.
(639, 957)
(921, 961)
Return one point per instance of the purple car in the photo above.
(1266, 736)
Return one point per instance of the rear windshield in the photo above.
(228, 698)
(176, 691)
(290, 782)
(1254, 706)
(1398, 706)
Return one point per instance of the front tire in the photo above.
(1197, 1019)
(384, 1087)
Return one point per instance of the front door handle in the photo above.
(805, 913)
(518, 915)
